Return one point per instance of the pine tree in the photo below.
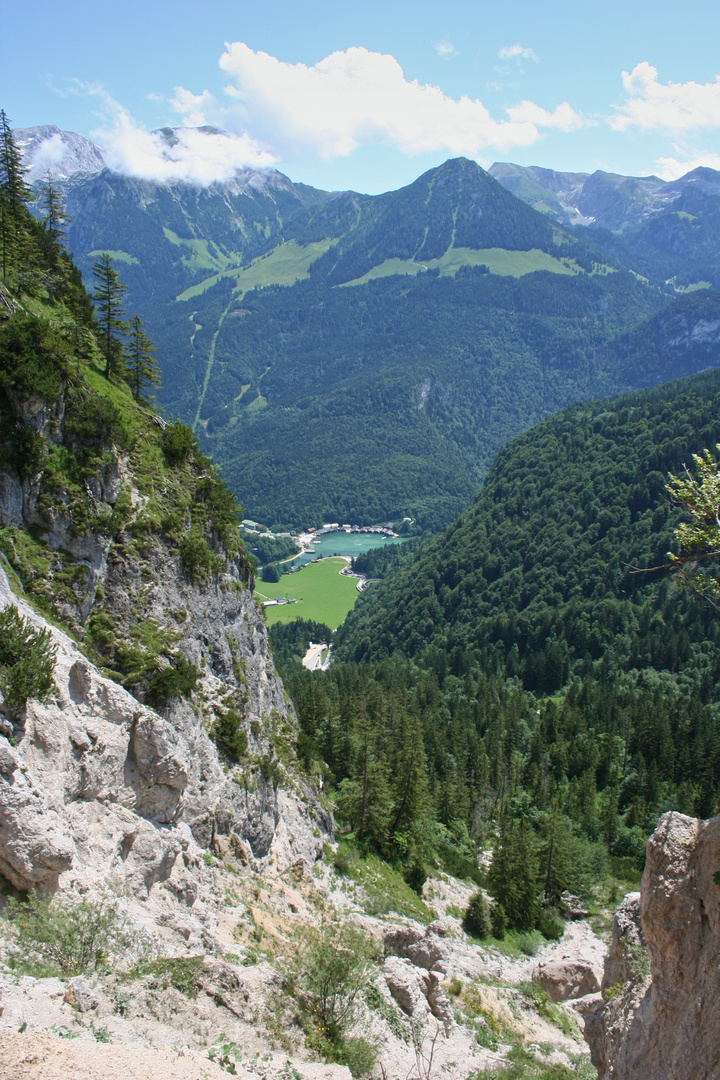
(108, 297)
(142, 370)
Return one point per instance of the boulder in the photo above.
(80, 996)
(568, 978)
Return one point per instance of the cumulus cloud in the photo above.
(361, 97)
(197, 156)
(563, 117)
(517, 52)
(445, 49)
(670, 168)
(672, 107)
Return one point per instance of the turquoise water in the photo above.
(342, 543)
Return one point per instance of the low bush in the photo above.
(230, 735)
(550, 925)
(328, 973)
(180, 972)
(198, 558)
(477, 916)
(27, 660)
(62, 937)
(178, 679)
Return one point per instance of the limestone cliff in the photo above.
(117, 530)
(659, 1019)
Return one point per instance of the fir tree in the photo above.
(108, 298)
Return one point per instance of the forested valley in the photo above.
(524, 679)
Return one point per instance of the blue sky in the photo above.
(369, 94)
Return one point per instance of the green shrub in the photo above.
(198, 559)
(34, 358)
(527, 943)
(178, 679)
(62, 937)
(329, 971)
(477, 916)
(341, 864)
(416, 876)
(358, 1054)
(180, 972)
(230, 735)
(178, 443)
(271, 573)
(27, 450)
(101, 628)
(550, 925)
(93, 420)
(27, 660)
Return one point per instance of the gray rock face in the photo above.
(99, 786)
(61, 153)
(664, 1023)
(33, 847)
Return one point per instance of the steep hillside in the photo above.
(537, 574)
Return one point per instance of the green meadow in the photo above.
(284, 265)
(322, 594)
(498, 261)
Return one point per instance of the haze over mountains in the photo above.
(362, 357)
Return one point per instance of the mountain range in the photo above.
(363, 358)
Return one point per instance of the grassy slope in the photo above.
(284, 265)
(498, 261)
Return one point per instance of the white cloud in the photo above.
(517, 52)
(199, 157)
(670, 168)
(445, 49)
(49, 153)
(361, 97)
(195, 109)
(673, 107)
(563, 117)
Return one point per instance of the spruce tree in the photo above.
(108, 298)
(513, 876)
(142, 370)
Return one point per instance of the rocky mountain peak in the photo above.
(64, 154)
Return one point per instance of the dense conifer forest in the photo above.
(517, 679)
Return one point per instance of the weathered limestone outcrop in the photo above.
(100, 788)
(662, 1021)
(414, 960)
